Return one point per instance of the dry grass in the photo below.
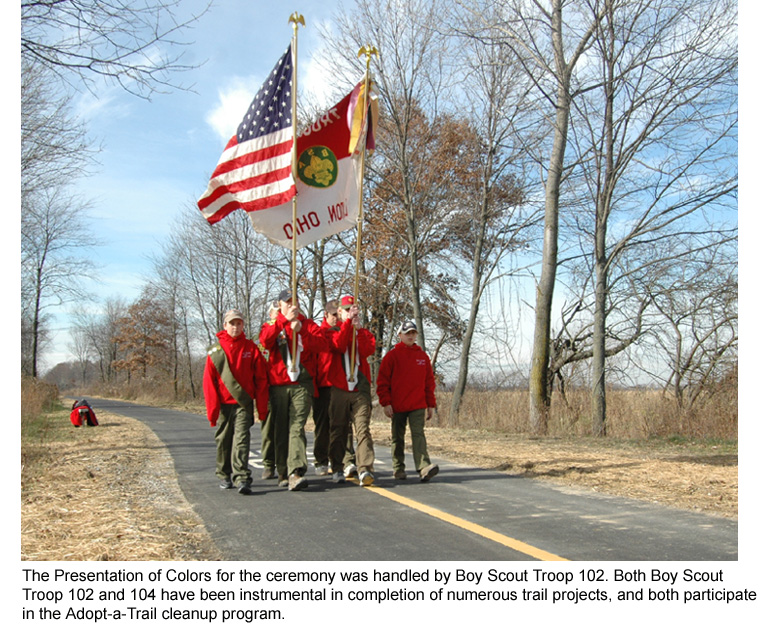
(691, 476)
(106, 493)
(110, 492)
(631, 414)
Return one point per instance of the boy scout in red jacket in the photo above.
(406, 390)
(291, 386)
(234, 378)
(320, 409)
(350, 399)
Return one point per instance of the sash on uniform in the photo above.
(284, 344)
(219, 360)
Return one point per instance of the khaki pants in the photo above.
(290, 407)
(416, 419)
(345, 408)
(233, 443)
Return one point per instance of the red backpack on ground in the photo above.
(81, 413)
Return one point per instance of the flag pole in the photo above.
(296, 18)
(367, 51)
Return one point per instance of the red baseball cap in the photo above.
(346, 301)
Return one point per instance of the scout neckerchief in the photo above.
(282, 343)
(347, 368)
(359, 377)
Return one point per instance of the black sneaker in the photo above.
(244, 488)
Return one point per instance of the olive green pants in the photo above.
(416, 419)
(267, 442)
(290, 407)
(347, 408)
(233, 443)
(321, 425)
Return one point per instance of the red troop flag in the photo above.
(255, 169)
(328, 170)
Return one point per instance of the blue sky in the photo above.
(157, 155)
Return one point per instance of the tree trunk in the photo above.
(601, 262)
(540, 398)
(477, 277)
(415, 275)
(464, 365)
(36, 322)
(598, 382)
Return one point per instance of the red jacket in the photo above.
(249, 368)
(311, 338)
(324, 359)
(340, 343)
(405, 380)
(81, 413)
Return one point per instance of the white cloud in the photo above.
(314, 79)
(103, 105)
(234, 100)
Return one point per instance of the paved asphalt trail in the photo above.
(463, 514)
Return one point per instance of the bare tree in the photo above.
(55, 239)
(493, 216)
(548, 39)
(222, 266)
(82, 349)
(698, 330)
(658, 140)
(100, 329)
(79, 42)
(120, 40)
(53, 235)
(411, 76)
(54, 144)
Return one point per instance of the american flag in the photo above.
(255, 169)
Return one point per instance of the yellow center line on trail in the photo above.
(511, 543)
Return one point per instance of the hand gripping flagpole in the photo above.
(295, 19)
(367, 51)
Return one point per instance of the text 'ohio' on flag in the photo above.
(327, 179)
(255, 169)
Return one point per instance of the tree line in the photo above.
(586, 148)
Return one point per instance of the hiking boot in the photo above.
(225, 484)
(244, 488)
(338, 477)
(282, 482)
(297, 482)
(320, 469)
(350, 470)
(399, 474)
(366, 478)
(268, 473)
(429, 471)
